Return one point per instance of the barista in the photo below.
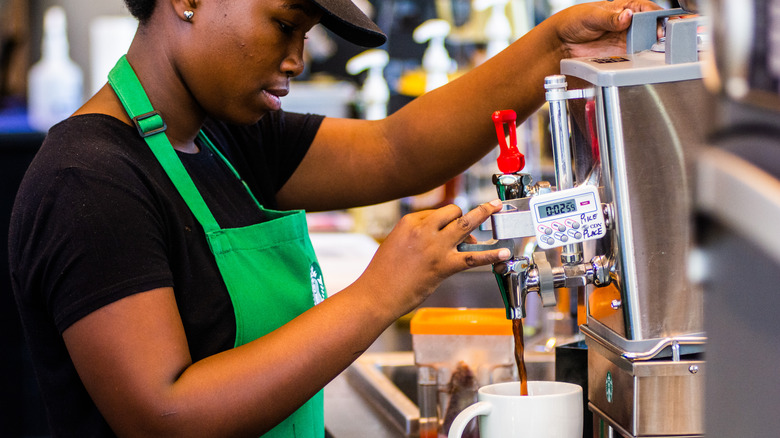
(159, 254)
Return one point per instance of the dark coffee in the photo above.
(517, 330)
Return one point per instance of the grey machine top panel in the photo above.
(648, 60)
(646, 67)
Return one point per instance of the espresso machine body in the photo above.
(647, 138)
(636, 138)
(619, 217)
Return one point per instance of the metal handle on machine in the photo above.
(642, 33)
(682, 42)
(544, 278)
(488, 246)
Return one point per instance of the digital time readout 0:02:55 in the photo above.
(548, 210)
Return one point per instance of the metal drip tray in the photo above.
(388, 382)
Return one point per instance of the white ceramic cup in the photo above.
(551, 409)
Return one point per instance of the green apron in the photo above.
(270, 269)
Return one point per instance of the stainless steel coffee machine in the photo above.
(624, 130)
(645, 337)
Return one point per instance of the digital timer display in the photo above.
(548, 210)
(567, 216)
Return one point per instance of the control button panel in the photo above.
(567, 216)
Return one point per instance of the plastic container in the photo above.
(55, 83)
(458, 350)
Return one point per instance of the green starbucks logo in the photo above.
(317, 284)
(609, 387)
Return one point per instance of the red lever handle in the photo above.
(510, 160)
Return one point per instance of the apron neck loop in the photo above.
(151, 127)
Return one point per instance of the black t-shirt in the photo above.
(96, 219)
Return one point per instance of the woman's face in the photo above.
(239, 55)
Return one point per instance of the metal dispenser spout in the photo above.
(525, 276)
(511, 277)
(519, 276)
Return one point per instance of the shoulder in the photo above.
(91, 143)
(86, 161)
(91, 220)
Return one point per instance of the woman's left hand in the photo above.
(598, 28)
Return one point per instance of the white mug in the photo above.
(551, 409)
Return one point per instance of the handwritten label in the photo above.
(591, 226)
(593, 230)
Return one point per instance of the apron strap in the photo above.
(151, 127)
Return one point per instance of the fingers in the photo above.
(470, 239)
(615, 18)
(643, 6)
(618, 17)
(612, 18)
(634, 6)
(482, 258)
(623, 19)
(445, 215)
(462, 226)
(448, 227)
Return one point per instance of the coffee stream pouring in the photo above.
(565, 217)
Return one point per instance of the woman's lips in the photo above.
(273, 98)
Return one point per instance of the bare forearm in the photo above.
(250, 388)
(430, 140)
(448, 129)
(440, 134)
(133, 358)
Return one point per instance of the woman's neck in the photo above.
(165, 88)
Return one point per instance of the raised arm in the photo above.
(440, 134)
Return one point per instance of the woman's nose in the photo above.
(293, 64)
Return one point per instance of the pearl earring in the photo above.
(188, 15)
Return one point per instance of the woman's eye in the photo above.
(286, 28)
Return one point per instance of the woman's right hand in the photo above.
(597, 28)
(421, 251)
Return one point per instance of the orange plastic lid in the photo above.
(460, 321)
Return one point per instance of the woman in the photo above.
(160, 297)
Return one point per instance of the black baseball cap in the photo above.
(346, 20)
